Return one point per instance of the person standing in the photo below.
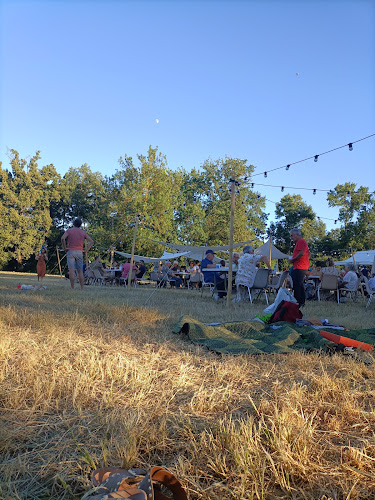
(300, 261)
(41, 265)
(74, 248)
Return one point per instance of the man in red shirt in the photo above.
(300, 261)
(76, 236)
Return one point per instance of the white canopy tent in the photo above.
(264, 250)
(361, 258)
(199, 252)
(148, 260)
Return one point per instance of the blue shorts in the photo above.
(75, 259)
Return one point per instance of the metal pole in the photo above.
(58, 260)
(231, 231)
(132, 257)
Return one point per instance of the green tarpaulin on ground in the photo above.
(253, 337)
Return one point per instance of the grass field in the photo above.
(96, 378)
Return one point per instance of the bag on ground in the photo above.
(282, 294)
(286, 311)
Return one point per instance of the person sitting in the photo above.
(371, 282)
(126, 269)
(175, 279)
(330, 268)
(247, 269)
(365, 272)
(97, 265)
(349, 281)
(141, 270)
(235, 259)
(209, 276)
(222, 263)
(165, 273)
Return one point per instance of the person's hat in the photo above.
(175, 262)
(210, 251)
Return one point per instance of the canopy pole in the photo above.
(132, 257)
(270, 252)
(231, 231)
(58, 260)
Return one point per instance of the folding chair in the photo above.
(329, 282)
(275, 287)
(370, 292)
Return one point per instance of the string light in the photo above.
(265, 174)
(320, 154)
(291, 187)
(282, 189)
(316, 158)
(314, 191)
(350, 146)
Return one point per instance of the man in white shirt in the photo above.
(349, 281)
(247, 269)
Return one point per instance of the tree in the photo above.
(292, 212)
(357, 213)
(25, 196)
(250, 219)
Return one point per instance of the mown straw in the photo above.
(94, 379)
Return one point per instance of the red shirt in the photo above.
(76, 237)
(301, 262)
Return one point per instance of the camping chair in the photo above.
(352, 293)
(208, 284)
(98, 278)
(195, 279)
(370, 292)
(329, 282)
(124, 281)
(260, 284)
(275, 287)
(89, 277)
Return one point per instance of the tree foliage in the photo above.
(292, 212)
(26, 192)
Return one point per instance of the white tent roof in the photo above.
(362, 258)
(148, 260)
(264, 250)
(137, 258)
(198, 253)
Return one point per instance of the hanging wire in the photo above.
(315, 157)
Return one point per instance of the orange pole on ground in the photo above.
(346, 341)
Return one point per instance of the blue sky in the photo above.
(85, 82)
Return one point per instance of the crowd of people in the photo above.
(209, 271)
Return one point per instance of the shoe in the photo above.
(216, 297)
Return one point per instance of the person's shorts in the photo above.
(75, 259)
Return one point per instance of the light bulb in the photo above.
(350, 146)
(316, 158)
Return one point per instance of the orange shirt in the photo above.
(76, 237)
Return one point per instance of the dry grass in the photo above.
(95, 378)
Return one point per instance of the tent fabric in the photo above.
(137, 258)
(361, 258)
(148, 260)
(198, 253)
(254, 337)
(264, 250)
(173, 256)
